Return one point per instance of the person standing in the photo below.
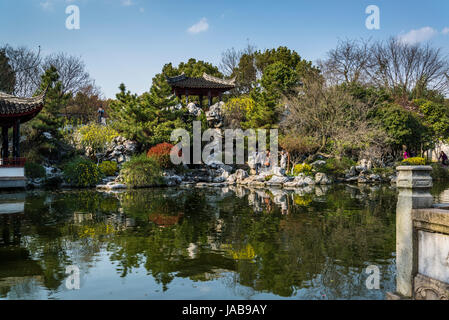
(443, 158)
(100, 114)
(406, 155)
(284, 159)
(258, 161)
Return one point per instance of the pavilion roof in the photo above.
(11, 106)
(204, 82)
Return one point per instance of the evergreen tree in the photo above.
(148, 118)
(7, 75)
(51, 118)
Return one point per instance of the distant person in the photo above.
(406, 155)
(443, 158)
(258, 159)
(100, 115)
(284, 159)
(267, 160)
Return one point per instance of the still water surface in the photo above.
(231, 243)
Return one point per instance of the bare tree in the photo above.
(230, 59)
(349, 62)
(71, 69)
(409, 67)
(26, 64)
(390, 64)
(331, 114)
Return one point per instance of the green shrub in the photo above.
(337, 167)
(108, 168)
(416, 161)
(439, 172)
(384, 172)
(268, 178)
(82, 172)
(141, 171)
(302, 168)
(34, 170)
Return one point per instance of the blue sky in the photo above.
(130, 40)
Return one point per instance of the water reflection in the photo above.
(236, 242)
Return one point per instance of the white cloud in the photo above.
(198, 27)
(127, 3)
(445, 31)
(46, 5)
(417, 36)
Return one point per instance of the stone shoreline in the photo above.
(221, 177)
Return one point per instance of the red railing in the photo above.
(12, 163)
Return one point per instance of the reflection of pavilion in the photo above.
(16, 265)
(12, 208)
(13, 112)
(12, 203)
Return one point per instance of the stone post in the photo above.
(414, 184)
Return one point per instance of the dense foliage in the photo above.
(34, 170)
(108, 168)
(82, 172)
(141, 171)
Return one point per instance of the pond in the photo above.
(230, 243)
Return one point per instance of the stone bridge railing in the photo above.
(422, 238)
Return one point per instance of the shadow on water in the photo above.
(230, 243)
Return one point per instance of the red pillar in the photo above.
(16, 139)
(5, 146)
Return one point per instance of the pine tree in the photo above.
(7, 75)
(51, 118)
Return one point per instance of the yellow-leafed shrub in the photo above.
(416, 161)
(302, 168)
(96, 136)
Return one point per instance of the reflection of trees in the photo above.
(329, 239)
(49, 237)
(323, 243)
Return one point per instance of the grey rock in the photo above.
(321, 178)
(318, 163)
(277, 181)
(215, 115)
(278, 171)
(241, 174)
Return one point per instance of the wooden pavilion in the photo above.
(13, 112)
(205, 86)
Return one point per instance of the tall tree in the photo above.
(146, 118)
(7, 75)
(26, 65)
(51, 118)
(71, 69)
